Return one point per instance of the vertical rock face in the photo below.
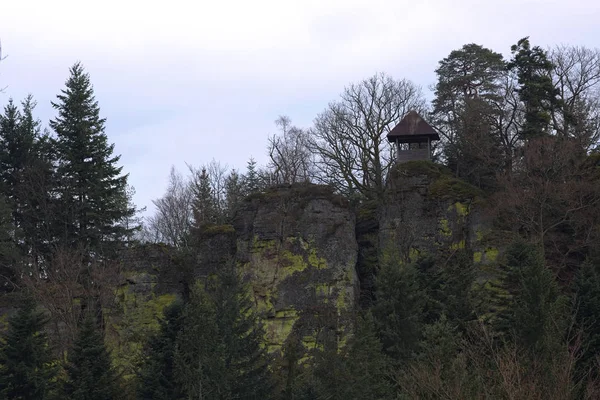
(297, 250)
(426, 210)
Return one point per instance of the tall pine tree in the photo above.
(398, 311)
(242, 333)
(90, 375)
(26, 162)
(534, 311)
(219, 351)
(92, 190)
(536, 90)
(157, 377)
(27, 369)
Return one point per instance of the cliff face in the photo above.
(428, 211)
(297, 249)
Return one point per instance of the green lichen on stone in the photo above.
(445, 227)
(477, 256)
(462, 210)
(458, 246)
(322, 290)
(316, 261)
(131, 324)
(286, 314)
(491, 254)
(278, 329)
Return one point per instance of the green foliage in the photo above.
(251, 178)
(451, 188)
(234, 192)
(466, 97)
(449, 288)
(204, 205)
(9, 254)
(198, 355)
(93, 198)
(398, 311)
(536, 90)
(587, 306)
(535, 311)
(90, 375)
(219, 350)
(157, 377)
(359, 370)
(27, 369)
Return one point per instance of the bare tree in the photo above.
(291, 160)
(349, 137)
(506, 118)
(172, 221)
(576, 75)
(71, 280)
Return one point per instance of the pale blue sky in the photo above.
(188, 81)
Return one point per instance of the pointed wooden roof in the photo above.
(412, 127)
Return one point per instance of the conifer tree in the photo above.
(219, 351)
(252, 178)
(534, 312)
(452, 292)
(9, 254)
(398, 311)
(234, 192)
(199, 360)
(587, 306)
(536, 90)
(157, 377)
(367, 367)
(26, 163)
(242, 334)
(203, 205)
(90, 375)
(92, 190)
(27, 369)
(12, 149)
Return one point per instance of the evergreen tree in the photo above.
(587, 306)
(13, 149)
(157, 377)
(399, 307)
(536, 90)
(534, 313)
(234, 192)
(367, 367)
(452, 291)
(199, 359)
(90, 375)
(219, 351)
(92, 191)
(26, 164)
(27, 369)
(465, 103)
(241, 332)
(204, 206)
(9, 254)
(252, 177)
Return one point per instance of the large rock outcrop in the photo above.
(297, 249)
(427, 210)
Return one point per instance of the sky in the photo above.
(185, 82)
